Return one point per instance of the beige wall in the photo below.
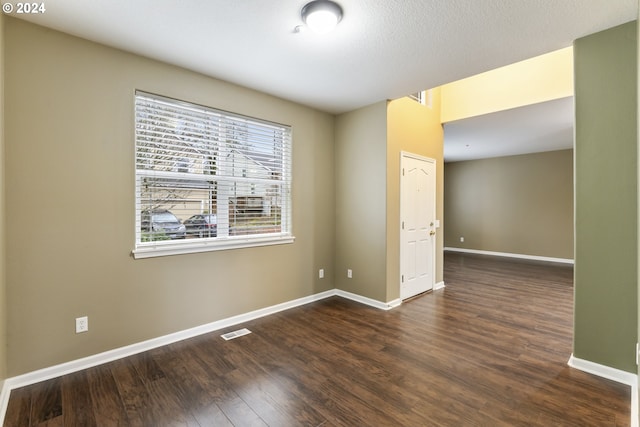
(3, 282)
(416, 129)
(517, 204)
(70, 202)
(361, 141)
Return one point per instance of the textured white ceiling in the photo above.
(546, 126)
(382, 49)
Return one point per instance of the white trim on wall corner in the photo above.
(119, 353)
(438, 286)
(510, 255)
(612, 374)
(394, 303)
(4, 400)
(603, 371)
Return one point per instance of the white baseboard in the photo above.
(438, 286)
(111, 355)
(510, 255)
(604, 371)
(613, 374)
(369, 301)
(130, 350)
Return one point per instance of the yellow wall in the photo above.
(535, 80)
(69, 139)
(414, 128)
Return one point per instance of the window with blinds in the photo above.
(208, 179)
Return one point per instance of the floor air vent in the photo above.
(235, 334)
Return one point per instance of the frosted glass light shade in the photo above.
(321, 16)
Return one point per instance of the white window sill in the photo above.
(190, 246)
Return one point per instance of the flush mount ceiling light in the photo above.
(321, 16)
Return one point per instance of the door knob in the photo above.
(432, 232)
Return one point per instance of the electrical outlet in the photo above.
(82, 324)
(461, 239)
(349, 273)
(321, 273)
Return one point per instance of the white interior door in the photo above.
(418, 224)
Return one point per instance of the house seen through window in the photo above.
(208, 179)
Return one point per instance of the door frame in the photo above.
(414, 156)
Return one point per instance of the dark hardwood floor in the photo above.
(491, 349)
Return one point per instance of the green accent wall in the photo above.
(606, 328)
(3, 282)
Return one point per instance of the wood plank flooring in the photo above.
(490, 349)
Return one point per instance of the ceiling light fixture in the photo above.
(321, 16)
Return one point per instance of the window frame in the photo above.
(147, 249)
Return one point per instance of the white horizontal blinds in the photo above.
(216, 172)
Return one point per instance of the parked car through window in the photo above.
(162, 225)
(204, 225)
